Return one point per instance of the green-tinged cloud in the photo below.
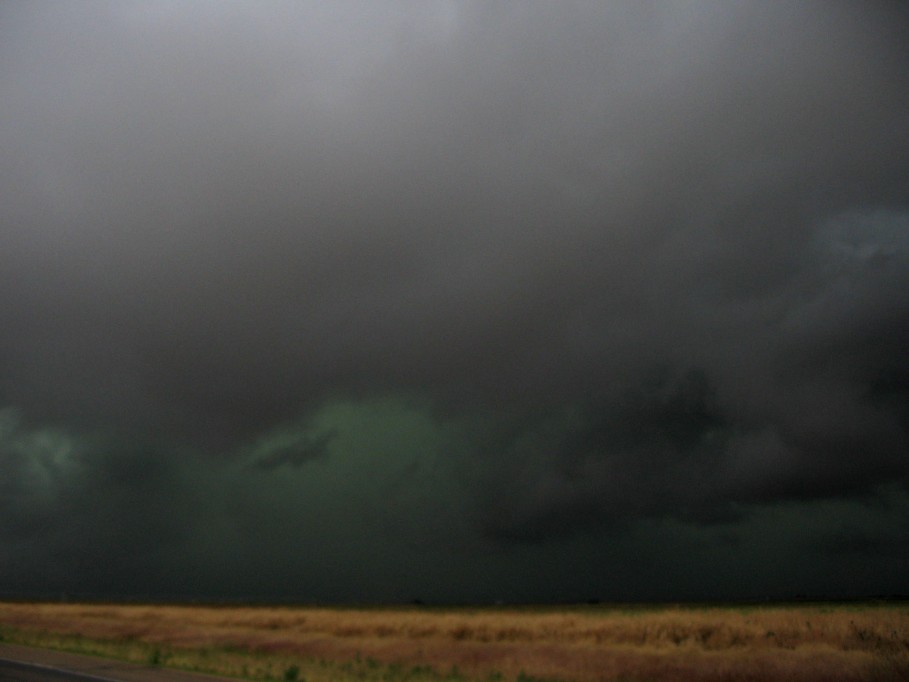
(37, 462)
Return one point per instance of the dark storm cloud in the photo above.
(289, 448)
(632, 260)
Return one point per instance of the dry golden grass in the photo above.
(585, 644)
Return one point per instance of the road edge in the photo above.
(96, 668)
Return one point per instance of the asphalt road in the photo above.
(27, 664)
(13, 671)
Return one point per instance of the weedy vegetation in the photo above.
(416, 644)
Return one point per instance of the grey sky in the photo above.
(432, 284)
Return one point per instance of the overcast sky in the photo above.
(375, 301)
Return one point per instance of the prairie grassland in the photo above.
(802, 642)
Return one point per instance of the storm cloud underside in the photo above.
(336, 301)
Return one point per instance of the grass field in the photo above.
(785, 642)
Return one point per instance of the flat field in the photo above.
(589, 643)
